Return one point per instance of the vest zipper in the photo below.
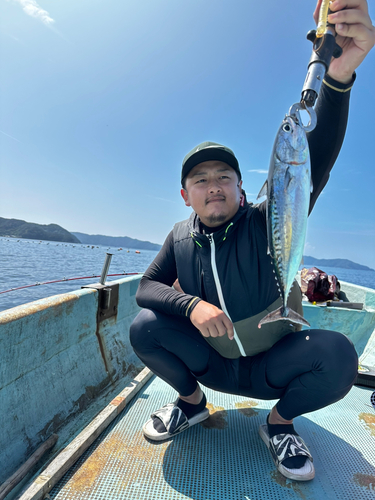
(220, 292)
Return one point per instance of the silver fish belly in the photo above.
(288, 189)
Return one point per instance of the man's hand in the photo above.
(355, 35)
(211, 321)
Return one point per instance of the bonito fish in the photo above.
(288, 189)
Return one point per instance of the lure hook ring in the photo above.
(294, 112)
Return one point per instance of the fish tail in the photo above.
(284, 313)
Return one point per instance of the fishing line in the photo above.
(65, 279)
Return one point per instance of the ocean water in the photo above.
(26, 262)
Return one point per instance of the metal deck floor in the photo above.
(224, 457)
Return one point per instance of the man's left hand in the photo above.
(355, 35)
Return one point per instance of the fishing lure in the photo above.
(323, 19)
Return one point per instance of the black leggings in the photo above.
(305, 370)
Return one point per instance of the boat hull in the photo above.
(59, 365)
(61, 362)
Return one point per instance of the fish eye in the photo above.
(287, 127)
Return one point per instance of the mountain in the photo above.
(342, 263)
(52, 232)
(115, 241)
(17, 228)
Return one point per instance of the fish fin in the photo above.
(263, 191)
(285, 314)
(288, 178)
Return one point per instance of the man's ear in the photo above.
(184, 194)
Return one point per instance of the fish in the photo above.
(288, 188)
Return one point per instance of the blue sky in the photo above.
(101, 100)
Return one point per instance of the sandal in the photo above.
(174, 420)
(283, 446)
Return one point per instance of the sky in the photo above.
(100, 100)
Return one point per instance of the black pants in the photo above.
(305, 370)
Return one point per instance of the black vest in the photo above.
(244, 277)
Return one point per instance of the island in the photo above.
(116, 241)
(17, 228)
(341, 263)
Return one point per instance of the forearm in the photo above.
(161, 297)
(155, 289)
(326, 139)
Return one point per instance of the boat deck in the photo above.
(224, 457)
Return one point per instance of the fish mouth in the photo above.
(215, 198)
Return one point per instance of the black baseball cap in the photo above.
(207, 151)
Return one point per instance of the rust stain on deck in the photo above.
(117, 401)
(369, 420)
(141, 449)
(148, 455)
(282, 481)
(365, 481)
(246, 408)
(86, 477)
(217, 418)
(117, 451)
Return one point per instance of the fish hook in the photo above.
(294, 113)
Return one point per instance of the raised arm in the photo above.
(325, 141)
(356, 36)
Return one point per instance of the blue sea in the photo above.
(27, 262)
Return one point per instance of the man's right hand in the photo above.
(211, 321)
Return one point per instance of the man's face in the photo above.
(213, 191)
